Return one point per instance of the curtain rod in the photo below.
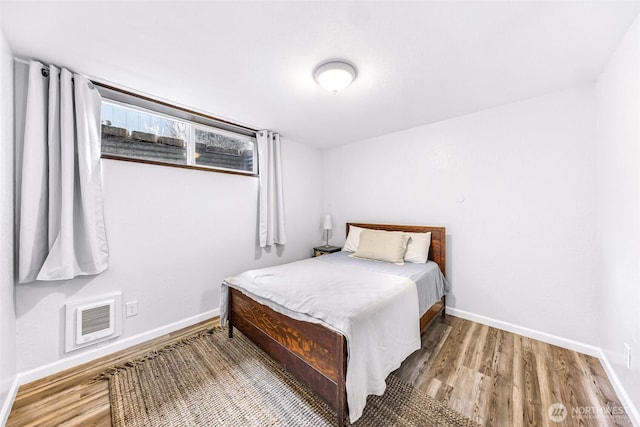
(45, 68)
(167, 104)
(97, 82)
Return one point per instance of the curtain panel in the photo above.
(271, 199)
(62, 231)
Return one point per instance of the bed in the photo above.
(314, 352)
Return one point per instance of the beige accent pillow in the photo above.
(387, 246)
(418, 247)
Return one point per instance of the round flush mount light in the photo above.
(334, 75)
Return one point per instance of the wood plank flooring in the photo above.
(70, 398)
(497, 378)
(494, 377)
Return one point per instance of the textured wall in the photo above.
(514, 185)
(618, 166)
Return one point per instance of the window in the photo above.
(140, 129)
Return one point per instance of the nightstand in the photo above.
(323, 250)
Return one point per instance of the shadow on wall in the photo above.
(68, 288)
(451, 298)
(260, 252)
(210, 298)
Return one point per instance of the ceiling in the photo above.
(252, 62)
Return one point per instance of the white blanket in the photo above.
(377, 313)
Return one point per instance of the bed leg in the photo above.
(444, 306)
(230, 313)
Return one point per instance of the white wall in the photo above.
(174, 235)
(514, 185)
(618, 175)
(7, 311)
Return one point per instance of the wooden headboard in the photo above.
(438, 248)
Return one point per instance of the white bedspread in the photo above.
(377, 313)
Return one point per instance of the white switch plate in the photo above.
(131, 308)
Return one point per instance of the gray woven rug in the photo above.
(210, 380)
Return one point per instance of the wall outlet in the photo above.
(131, 308)
(628, 355)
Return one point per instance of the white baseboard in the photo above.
(587, 349)
(527, 332)
(626, 401)
(8, 402)
(121, 344)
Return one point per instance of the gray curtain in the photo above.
(271, 199)
(62, 232)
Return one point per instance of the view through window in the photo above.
(132, 132)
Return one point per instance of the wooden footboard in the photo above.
(314, 354)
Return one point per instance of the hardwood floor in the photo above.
(494, 377)
(497, 378)
(71, 398)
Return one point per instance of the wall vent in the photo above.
(91, 321)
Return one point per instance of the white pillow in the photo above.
(378, 245)
(353, 239)
(418, 247)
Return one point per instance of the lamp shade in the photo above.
(327, 225)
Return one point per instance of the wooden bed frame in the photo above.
(314, 354)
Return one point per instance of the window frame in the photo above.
(194, 119)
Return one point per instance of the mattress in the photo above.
(429, 280)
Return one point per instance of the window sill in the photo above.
(175, 165)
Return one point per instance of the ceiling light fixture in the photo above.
(334, 75)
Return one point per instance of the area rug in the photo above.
(211, 380)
